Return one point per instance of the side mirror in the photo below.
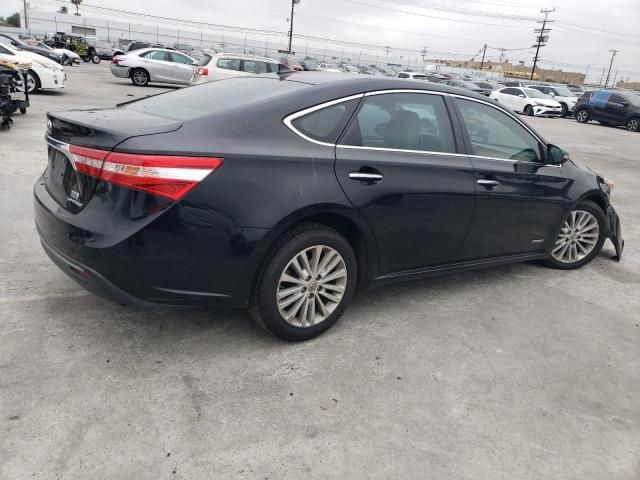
(625, 103)
(556, 155)
(522, 95)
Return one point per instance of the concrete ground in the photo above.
(518, 372)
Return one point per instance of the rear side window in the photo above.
(511, 91)
(229, 63)
(177, 58)
(254, 66)
(402, 121)
(156, 55)
(495, 134)
(325, 125)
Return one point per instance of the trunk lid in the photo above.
(94, 129)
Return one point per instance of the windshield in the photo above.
(43, 45)
(332, 66)
(420, 77)
(533, 93)
(563, 92)
(484, 85)
(633, 98)
(469, 85)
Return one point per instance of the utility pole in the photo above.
(293, 3)
(586, 72)
(484, 51)
(542, 38)
(613, 55)
(424, 56)
(613, 84)
(26, 15)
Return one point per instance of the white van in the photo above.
(219, 66)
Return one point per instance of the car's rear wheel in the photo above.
(305, 284)
(633, 124)
(582, 115)
(139, 77)
(580, 239)
(528, 110)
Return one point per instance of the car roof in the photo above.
(245, 57)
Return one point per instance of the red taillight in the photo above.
(203, 71)
(117, 60)
(163, 175)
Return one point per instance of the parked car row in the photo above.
(42, 74)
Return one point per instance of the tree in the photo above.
(14, 20)
(63, 9)
(76, 3)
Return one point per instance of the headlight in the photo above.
(607, 186)
(540, 104)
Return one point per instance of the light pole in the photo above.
(293, 3)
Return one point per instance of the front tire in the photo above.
(633, 124)
(582, 115)
(305, 284)
(139, 77)
(33, 81)
(528, 110)
(66, 61)
(581, 237)
(95, 58)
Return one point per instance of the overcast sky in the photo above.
(583, 32)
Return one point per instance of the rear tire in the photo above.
(528, 110)
(297, 302)
(139, 77)
(633, 124)
(582, 115)
(580, 239)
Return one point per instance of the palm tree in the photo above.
(63, 9)
(77, 5)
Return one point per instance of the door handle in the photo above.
(485, 182)
(369, 177)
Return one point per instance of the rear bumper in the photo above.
(120, 72)
(171, 255)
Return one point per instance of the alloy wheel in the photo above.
(578, 237)
(311, 286)
(582, 116)
(139, 77)
(633, 124)
(32, 84)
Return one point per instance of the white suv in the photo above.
(231, 65)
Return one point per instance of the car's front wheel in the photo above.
(565, 110)
(33, 81)
(305, 284)
(139, 77)
(633, 124)
(95, 58)
(580, 239)
(528, 110)
(582, 115)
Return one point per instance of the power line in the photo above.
(431, 16)
(459, 10)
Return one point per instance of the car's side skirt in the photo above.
(455, 267)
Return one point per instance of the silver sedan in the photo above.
(154, 65)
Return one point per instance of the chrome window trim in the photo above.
(404, 90)
(294, 116)
(384, 149)
(515, 161)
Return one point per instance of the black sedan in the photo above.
(45, 52)
(288, 194)
(619, 108)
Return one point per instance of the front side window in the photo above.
(326, 124)
(254, 66)
(403, 121)
(229, 63)
(495, 134)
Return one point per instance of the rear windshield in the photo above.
(204, 60)
(214, 97)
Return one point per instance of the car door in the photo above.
(227, 67)
(520, 199)
(182, 68)
(399, 164)
(159, 66)
(616, 109)
(598, 103)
